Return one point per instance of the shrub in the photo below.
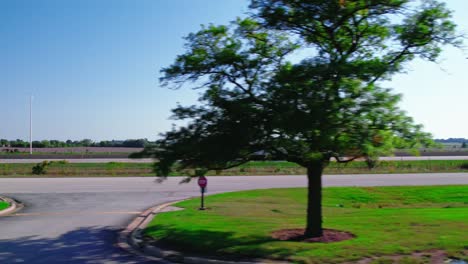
(40, 168)
(464, 166)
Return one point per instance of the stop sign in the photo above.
(202, 181)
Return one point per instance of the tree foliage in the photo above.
(235, 64)
(330, 104)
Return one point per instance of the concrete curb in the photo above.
(131, 240)
(14, 206)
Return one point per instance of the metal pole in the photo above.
(30, 125)
(202, 199)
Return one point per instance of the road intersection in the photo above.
(77, 220)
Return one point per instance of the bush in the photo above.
(40, 168)
(464, 166)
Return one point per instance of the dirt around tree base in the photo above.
(329, 236)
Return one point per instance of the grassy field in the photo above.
(4, 205)
(67, 152)
(62, 169)
(387, 221)
(46, 155)
(356, 167)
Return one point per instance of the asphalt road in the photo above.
(77, 220)
(106, 160)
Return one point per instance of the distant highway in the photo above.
(151, 160)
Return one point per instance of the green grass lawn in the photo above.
(63, 169)
(116, 169)
(4, 205)
(385, 220)
(355, 167)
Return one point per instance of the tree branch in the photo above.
(339, 160)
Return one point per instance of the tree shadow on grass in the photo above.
(84, 245)
(216, 244)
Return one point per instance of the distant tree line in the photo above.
(451, 140)
(129, 143)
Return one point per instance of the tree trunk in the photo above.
(314, 200)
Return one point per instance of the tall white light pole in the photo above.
(30, 125)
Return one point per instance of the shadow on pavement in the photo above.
(216, 244)
(84, 245)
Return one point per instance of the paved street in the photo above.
(76, 220)
(151, 160)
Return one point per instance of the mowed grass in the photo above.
(116, 169)
(62, 169)
(4, 205)
(355, 167)
(385, 220)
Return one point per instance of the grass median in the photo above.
(4, 205)
(387, 221)
(121, 169)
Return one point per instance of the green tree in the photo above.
(464, 145)
(327, 106)
(45, 144)
(4, 142)
(135, 143)
(18, 143)
(86, 143)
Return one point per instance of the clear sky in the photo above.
(93, 68)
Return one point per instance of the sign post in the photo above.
(202, 182)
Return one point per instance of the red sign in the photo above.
(202, 181)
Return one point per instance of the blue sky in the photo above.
(93, 68)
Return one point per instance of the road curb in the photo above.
(14, 206)
(131, 240)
